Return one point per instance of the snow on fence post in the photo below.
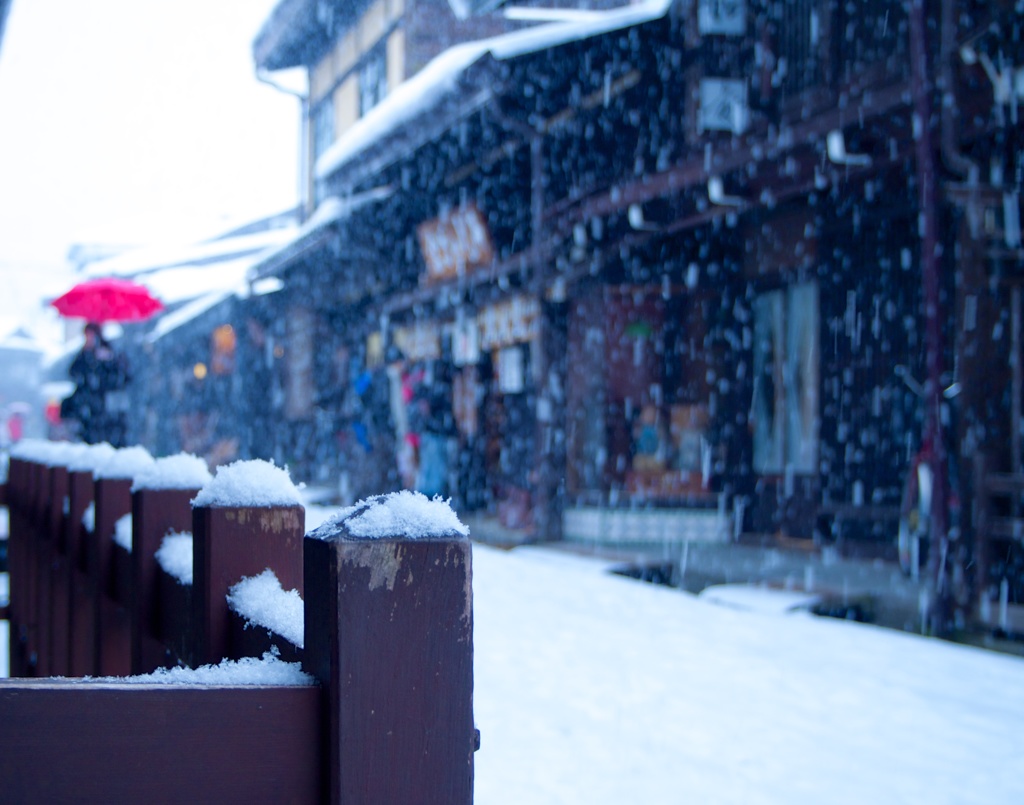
(161, 502)
(389, 636)
(113, 497)
(248, 518)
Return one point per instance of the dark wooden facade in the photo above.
(749, 303)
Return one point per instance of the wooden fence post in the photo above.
(17, 552)
(81, 621)
(53, 587)
(113, 635)
(389, 636)
(161, 502)
(113, 496)
(81, 610)
(154, 513)
(229, 543)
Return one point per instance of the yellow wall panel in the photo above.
(346, 52)
(321, 78)
(396, 58)
(372, 25)
(346, 104)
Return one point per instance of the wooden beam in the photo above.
(64, 741)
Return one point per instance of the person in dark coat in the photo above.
(100, 375)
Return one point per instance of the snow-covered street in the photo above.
(599, 689)
(591, 687)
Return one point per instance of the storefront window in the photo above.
(785, 400)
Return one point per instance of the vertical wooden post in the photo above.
(52, 591)
(81, 617)
(154, 513)
(231, 542)
(113, 632)
(389, 635)
(17, 550)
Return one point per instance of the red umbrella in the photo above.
(108, 299)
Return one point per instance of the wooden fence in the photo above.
(387, 642)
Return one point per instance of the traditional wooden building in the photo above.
(693, 270)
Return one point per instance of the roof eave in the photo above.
(289, 38)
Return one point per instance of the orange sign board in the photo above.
(455, 243)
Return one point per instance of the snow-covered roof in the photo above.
(146, 261)
(174, 285)
(330, 210)
(440, 78)
(183, 315)
(20, 339)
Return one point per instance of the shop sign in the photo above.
(465, 342)
(419, 342)
(723, 105)
(455, 243)
(511, 374)
(514, 321)
(723, 17)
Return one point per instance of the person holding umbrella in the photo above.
(100, 375)
(100, 402)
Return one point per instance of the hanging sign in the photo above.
(723, 17)
(465, 342)
(723, 105)
(455, 243)
(419, 342)
(510, 322)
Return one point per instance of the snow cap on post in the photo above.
(181, 471)
(60, 454)
(123, 464)
(401, 515)
(90, 457)
(256, 484)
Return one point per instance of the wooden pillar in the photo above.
(389, 636)
(35, 519)
(17, 551)
(229, 543)
(81, 615)
(154, 513)
(54, 585)
(113, 631)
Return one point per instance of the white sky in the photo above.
(137, 122)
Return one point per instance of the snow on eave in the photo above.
(441, 76)
(184, 283)
(330, 210)
(187, 313)
(139, 262)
